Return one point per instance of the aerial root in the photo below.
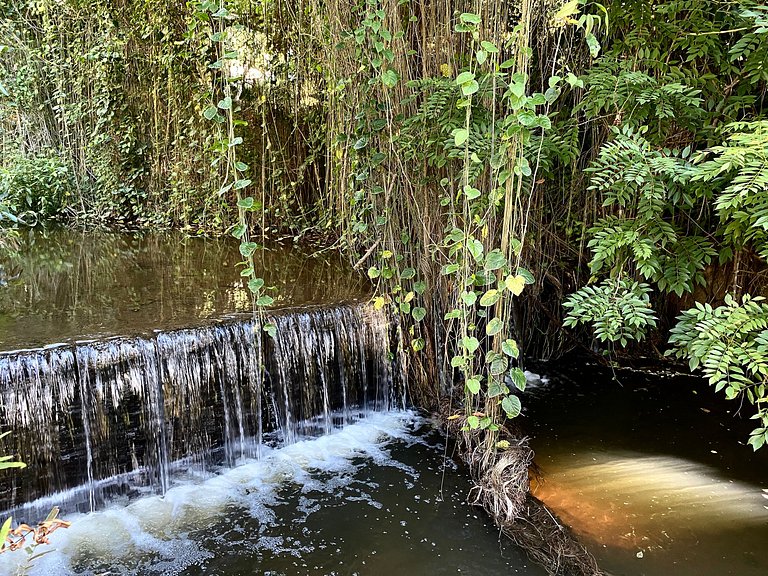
(502, 489)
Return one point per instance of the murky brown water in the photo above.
(64, 284)
(652, 472)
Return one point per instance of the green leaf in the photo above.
(526, 117)
(529, 279)
(390, 78)
(471, 192)
(490, 297)
(470, 88)
(494, 327)
(473, 385)
(470, 343)
(226, 103)
(270, 329)
(512, 406)
(210, 112)
(515, 284)
(496, 388)
(469, 298)
(240, 184)
(464, 77)
(265, 301)
(499, 366)
(594, 45)
(4, 531)
(419, 313)
(518, 378)
(566, 11)
(373, 272)
(489, 47)
(419, 287)
(245, 203)
(469, 18)
(238, 231)
(248, 248)
(255, 284)
(460, 136)
(450, 269)
(475, 248)
(495, 260)
(509, 347)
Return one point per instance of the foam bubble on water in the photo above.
(534, 380)
(154, 527)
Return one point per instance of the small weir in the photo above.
(178, 437)
(97, 418)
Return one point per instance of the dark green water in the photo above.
(374, 498)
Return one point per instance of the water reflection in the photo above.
(63, 284)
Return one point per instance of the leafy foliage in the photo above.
(618, 310)
(741, 166)
(640, 99)
(36, 188)
(730, 344)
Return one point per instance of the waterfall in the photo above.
(98, 418)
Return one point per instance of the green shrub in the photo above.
(36, 187)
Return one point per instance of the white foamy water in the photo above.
(534, 380)
(152, 534)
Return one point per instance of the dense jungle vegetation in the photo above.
(533, 175)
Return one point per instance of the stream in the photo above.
(130, 380)
(371, 498)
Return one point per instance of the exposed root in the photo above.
(502, 488)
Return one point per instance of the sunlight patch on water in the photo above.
(639, 501)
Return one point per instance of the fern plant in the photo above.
(730, 344)
(616, 88)
(619, 310)
(741, 165)
(751, 50)
(647, 188)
